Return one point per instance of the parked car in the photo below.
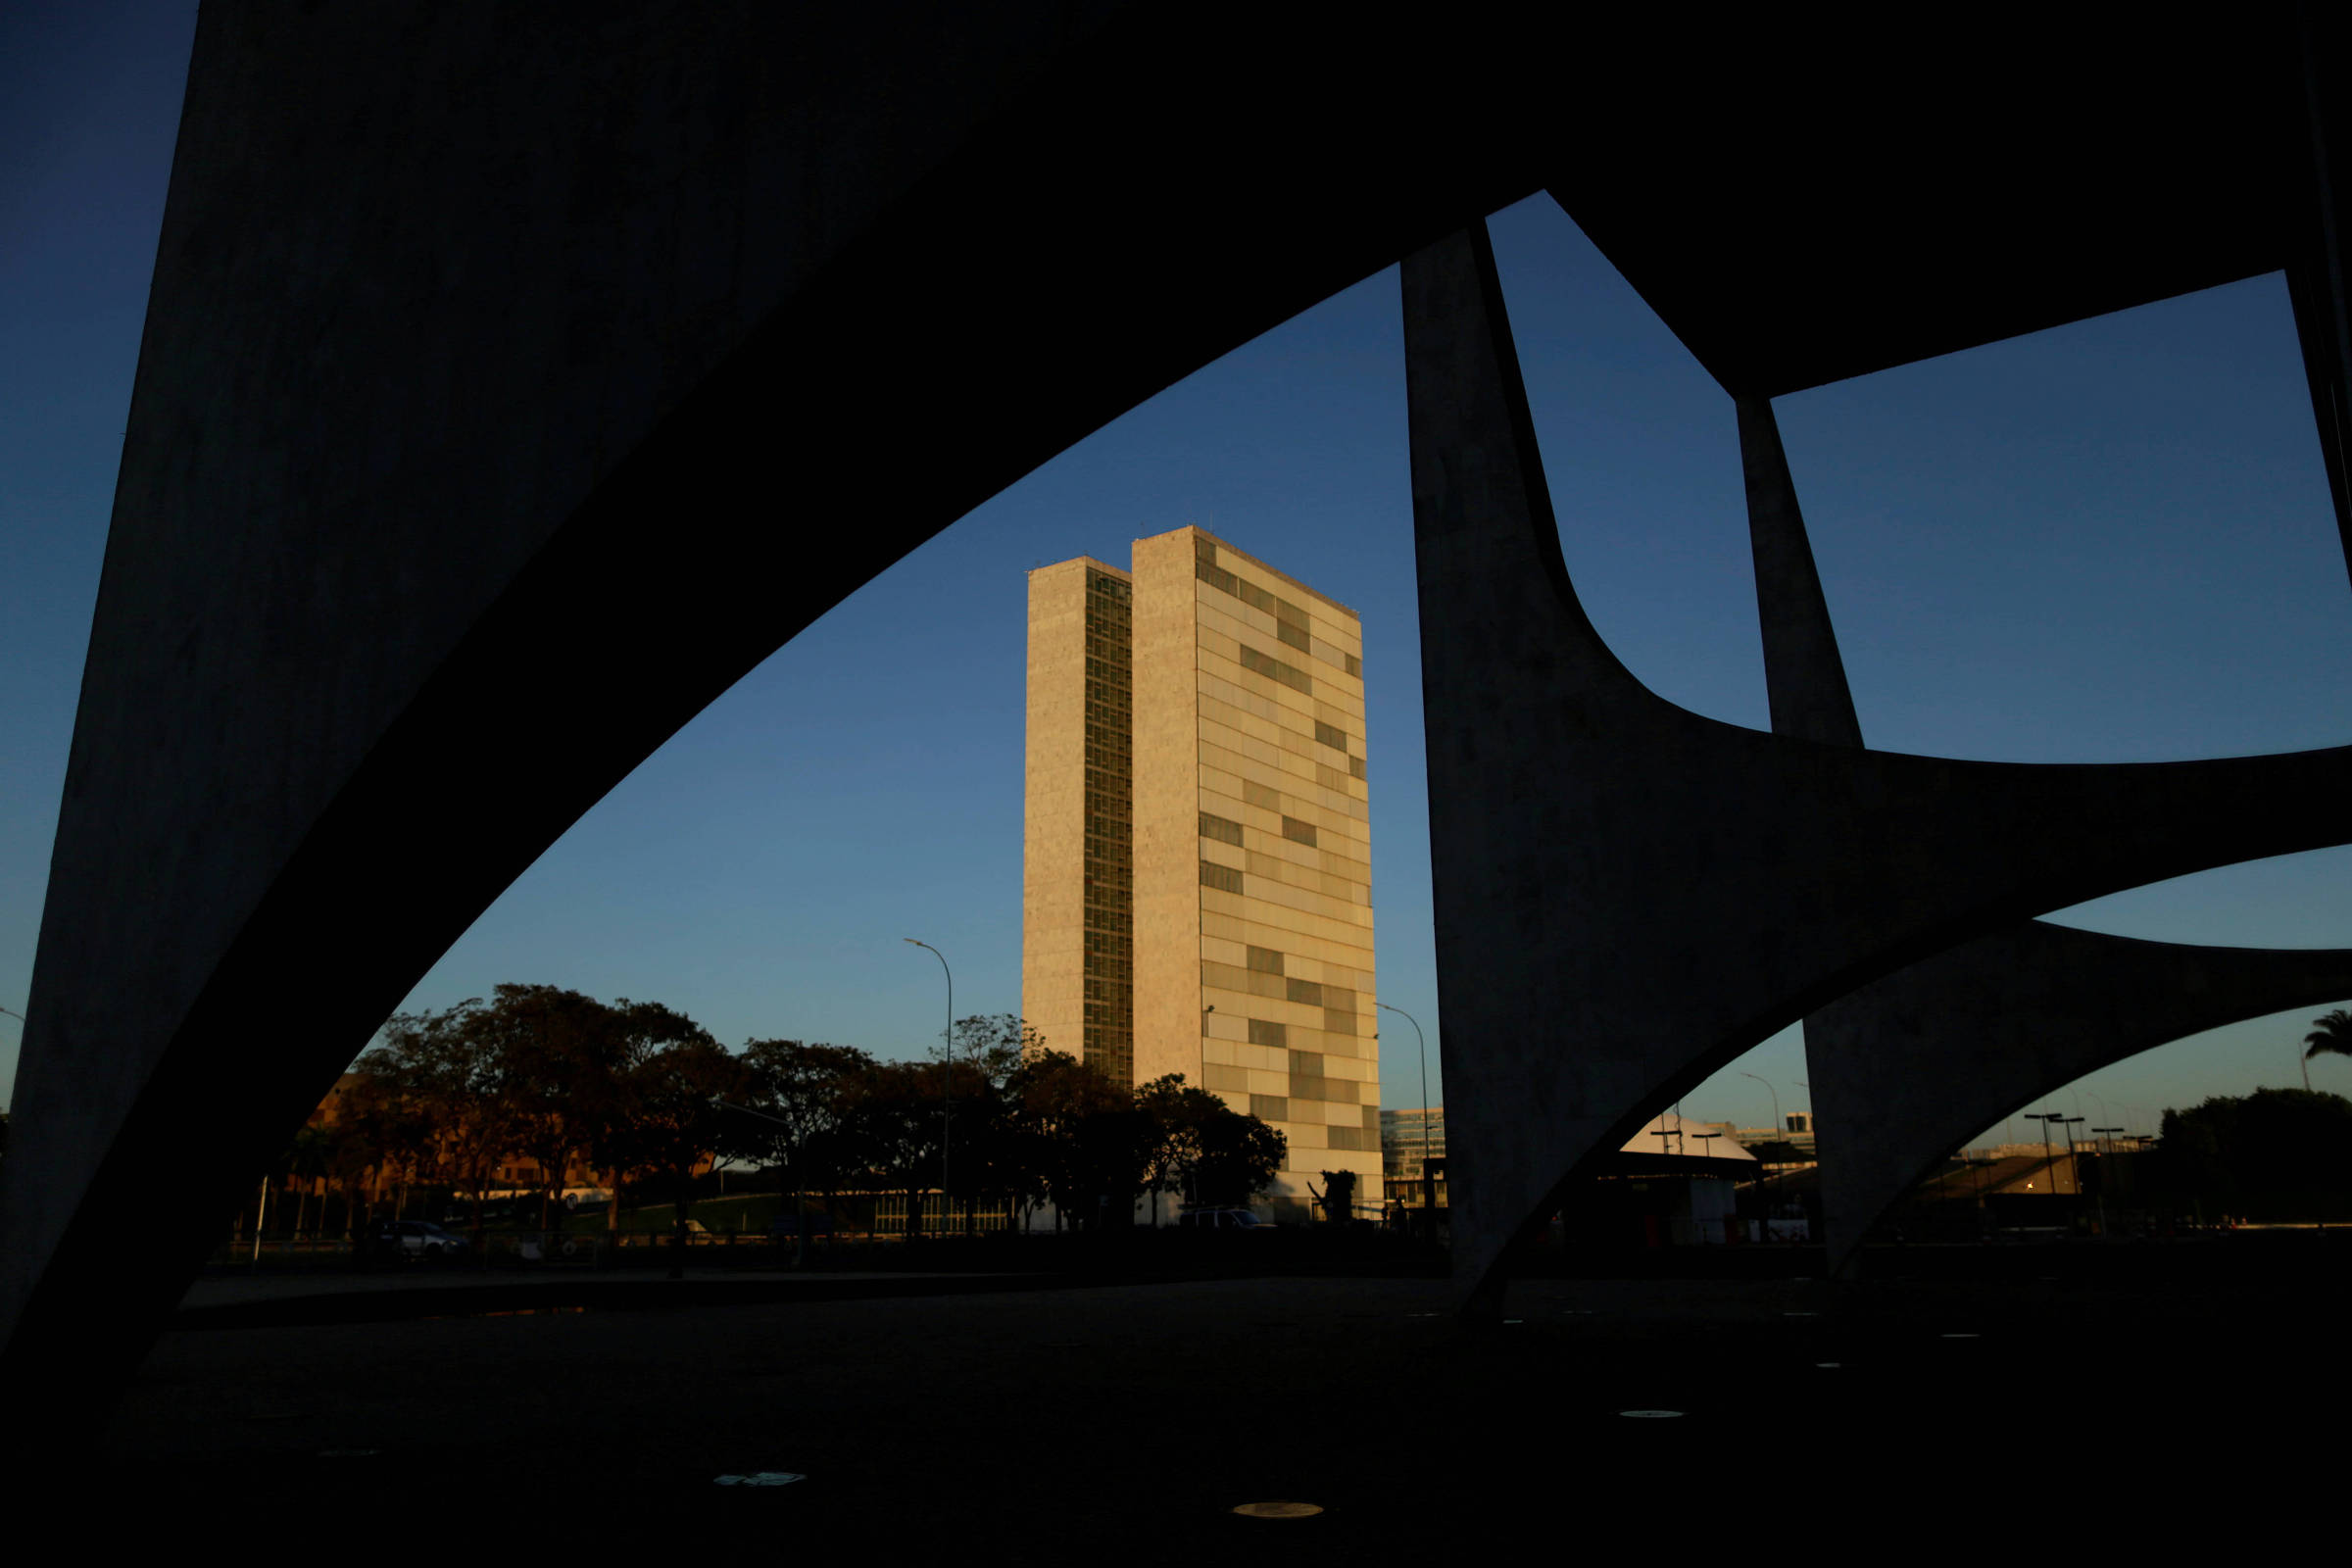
(419, 1239)
(1221, 1219)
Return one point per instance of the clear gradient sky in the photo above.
(2104, 543)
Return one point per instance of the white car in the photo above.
(419, 1239)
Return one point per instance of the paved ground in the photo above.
(278, 1301)
(1067, 1424)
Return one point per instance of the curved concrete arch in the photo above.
(1628, 895)
(1909, 1065)
(1916, 1062)
(514, 383)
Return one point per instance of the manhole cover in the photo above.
(1833, 1365)
(1277, 1510)
(1960, 1335)
(760, 1478)
(1649, 1415)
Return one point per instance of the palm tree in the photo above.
(2330, 1032)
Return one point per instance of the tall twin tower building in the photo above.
(1196, 860)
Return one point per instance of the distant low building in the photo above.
(1405, 1137)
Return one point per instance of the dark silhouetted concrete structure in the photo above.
(1908, 1066)
(509, 373)
(1626, 894)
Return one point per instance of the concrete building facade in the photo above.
(1405, 1136)
(1197, 859)
(1077, 848)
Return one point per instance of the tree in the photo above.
(891, 1123)
(447, 1069)
(1176, 1114)
(1069, 1159)
(383, 1133)
(307, 1158)
(996, 1046)
(798, 1092)
(986, 1148)
(641, 1031)
(667, 1120)
(563, 1054)
(2276, 1153)
(1239, 1156)
(2331, 1032)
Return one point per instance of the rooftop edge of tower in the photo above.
(1120, 572)
(1271, 572)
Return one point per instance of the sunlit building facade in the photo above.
(1196, 858)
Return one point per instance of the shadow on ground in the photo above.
(1132, 1417)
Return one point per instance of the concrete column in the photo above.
(515, 380)
(1627, 895)
(1906, 1067)
(2318, 227)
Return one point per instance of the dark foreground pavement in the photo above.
(1915, 1418)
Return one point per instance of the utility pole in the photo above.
(1429, 1183)
(2049, 1160)
(946, 1087)
(2105, 1136)
(1779, 1133)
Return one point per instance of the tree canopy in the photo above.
(2276, 1153)
(2331, 1032)
(644, 1093)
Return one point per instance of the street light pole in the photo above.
(2049, 1160)
(2108, 1141)
(1705, 1154)
(1777, 1129)
(1429, 1183)
(1779, 1133)
(946, 1087)
(2073, 1170)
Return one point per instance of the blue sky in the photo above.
(2104, 543)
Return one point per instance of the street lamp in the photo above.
(2049, 1161)
(1776, 1128)
(1429, 1183)
(946, 1087)
(799, 1221)
(2073, 1171)
(1779, 1133)
(2107, 1138)
(1705, 1154)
